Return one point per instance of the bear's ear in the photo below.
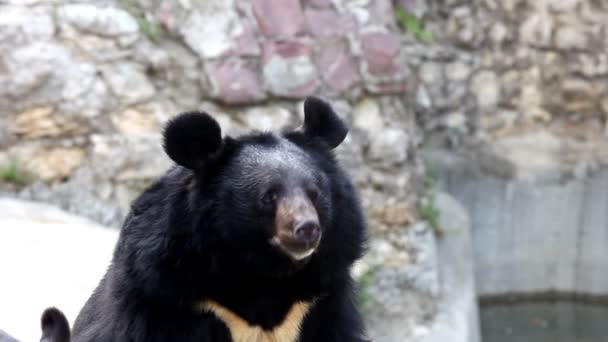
(321, 121)
(192, 138)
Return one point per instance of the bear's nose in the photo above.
(307, 231)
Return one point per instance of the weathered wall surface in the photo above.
(533, 236)
(87, 85)
(505, 67)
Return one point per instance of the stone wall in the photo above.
(87, 85)
(499, 68)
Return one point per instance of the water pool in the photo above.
(544, 321)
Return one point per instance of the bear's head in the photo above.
(269, 202)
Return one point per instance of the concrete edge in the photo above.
(458, 316)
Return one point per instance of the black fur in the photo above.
(201, 233)
(192, 138)
(55, 327)
(321, 121)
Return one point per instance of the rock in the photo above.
(90, 102)
(104, 21)
(358, 9)
(604, 105)
(570, 37)
(499, 33)
(76, 195)
(456, 71)
(337, 67)
(41, 122)
(235, 81)
(135, 120)
(390, 147)
(531, 155)
(579, 95)
(20, 26)
(431, 73)
(45, 71)
(288, 68)
(536, 30)
(265, 119)
(128, 82)
(416, 7)
(128, 158)
(591, 65)
(57, 163)
(381, 52)
(567, 6)
(456, 120)
(486, 88)
(319, 3)
(388, 87)
(328, 23)
(210, 29)
(367, 117)
(148, 53)
(182, 79)
(380, 13)
(396, 214)
(423, 98)
(246, 41)
(462, 27)
(278, 18)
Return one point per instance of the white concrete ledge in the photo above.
(47, 258)
(457, 318)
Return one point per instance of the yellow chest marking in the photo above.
(242, 331)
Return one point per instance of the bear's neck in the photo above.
(244, 328)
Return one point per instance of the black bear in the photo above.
(55, 327)
(246, 239)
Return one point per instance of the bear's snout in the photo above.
(308, 231)
(298, 231)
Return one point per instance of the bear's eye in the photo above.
(313, 194)
(270, 198)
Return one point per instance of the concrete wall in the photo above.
(534, 236)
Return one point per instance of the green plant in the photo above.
(11, 173)
(426, 206)
(149, 28)
(430, 177)
(410, 23)
(363, 296)
(429, 212)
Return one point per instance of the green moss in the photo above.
(427, 207)
(430, 177)
(11, 173)
(410, 23)
(363, 296)
(429, 212)
(149, 28)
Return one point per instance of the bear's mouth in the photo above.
(296, 250)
